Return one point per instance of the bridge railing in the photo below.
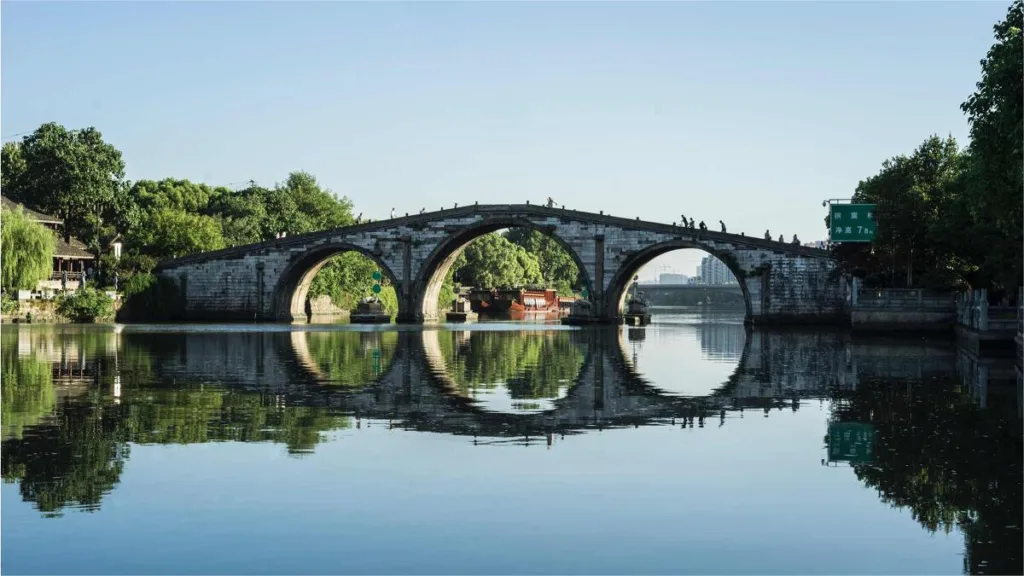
(973, 311)
(904, 299)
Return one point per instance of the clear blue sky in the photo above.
(748, 112)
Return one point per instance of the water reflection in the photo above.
(930, 428)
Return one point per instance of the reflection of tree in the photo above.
(28, 395)
(531, 365)
(352, 358)
(950, 462)
(72, 461)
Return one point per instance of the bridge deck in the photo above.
(505, 210)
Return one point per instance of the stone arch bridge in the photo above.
(781, 282)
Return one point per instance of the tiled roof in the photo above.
(74, 249)
(37, 216)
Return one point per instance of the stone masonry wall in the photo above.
(782, 282)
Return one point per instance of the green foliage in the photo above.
(997, 135)
(494, 262)
(351, 359)
(73, 174)
(170, 233)
(8, 306)
(85, 305)
(27, 389)
(950, 218)
(347, 278)
(150, 298)
(557, 266)
(531, 365)
(27, 251)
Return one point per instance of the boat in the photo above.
(369, 311)
(461, 311)
(636, 311)
(517, 303)
(580, 315)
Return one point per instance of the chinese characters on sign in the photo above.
(852, 223)
(852, 442)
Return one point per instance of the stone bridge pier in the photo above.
(269, 281)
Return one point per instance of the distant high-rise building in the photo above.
(672, 278)
(714, 272)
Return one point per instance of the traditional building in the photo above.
(72, 257)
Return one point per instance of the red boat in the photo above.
(516, 302)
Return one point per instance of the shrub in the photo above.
(9, 305)
(149, 298)
(85, 305)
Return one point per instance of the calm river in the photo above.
(693, 445)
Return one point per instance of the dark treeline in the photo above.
(950, 217)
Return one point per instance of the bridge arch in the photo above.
(623, 277)
(427, 287)
(289, 296)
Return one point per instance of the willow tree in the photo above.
(27, 248)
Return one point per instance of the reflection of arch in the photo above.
(427, 287)
(438, 369)
(293, 286)
(304, 358)
(619, 286)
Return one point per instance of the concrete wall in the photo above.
(781, 282)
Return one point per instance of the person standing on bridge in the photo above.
(767, 235)
(392, 212)
(551, 202)
(359, 218)
(782, 238)
(796, 240)
(683, 216)
(691, 224)
(723, 226)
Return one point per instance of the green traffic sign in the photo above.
(852, 442)
(852, 223)
(376, 275)
(584, 293)
(376, 288)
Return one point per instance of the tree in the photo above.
(493, 262)
(12, 170)
(27, 251)
(170, 233)
(922, 238)
(556, 264)
(997, 134)
(73, 174)
(300, 205)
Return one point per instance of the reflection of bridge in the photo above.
(417, 392)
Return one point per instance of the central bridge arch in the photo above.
(432, 272)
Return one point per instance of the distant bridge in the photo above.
(780, 282)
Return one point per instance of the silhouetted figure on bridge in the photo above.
(796, 240)
(359, 218)
(683, 216)
(392, 212)
(767, 235)
(703, 226)
(782, 237)
(422, 210)
(551, 202)
(723, 226)
(691, 224)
